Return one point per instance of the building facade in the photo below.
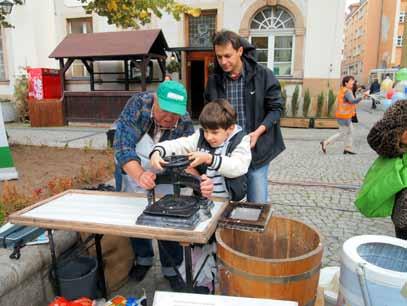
(373, 37)
(292, 37)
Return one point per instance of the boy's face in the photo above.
(217, 137)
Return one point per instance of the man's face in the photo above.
(164, 119)
(228, 58)
(217, 137)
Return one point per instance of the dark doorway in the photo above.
(197, 87)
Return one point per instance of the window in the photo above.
(399, 42)
(201, 29)
(79, 26)
(2, 65)
(272, 33)
(402, 17)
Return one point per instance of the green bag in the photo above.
(385, 178)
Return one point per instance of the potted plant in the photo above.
(325, 122)
(20, 97)
(295, 121)
(173, 67)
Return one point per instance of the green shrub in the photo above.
(21, 96)
(306, 104)
(295, 101)
(173, 66)
(284, 96)
(320, 104)
(331, 102)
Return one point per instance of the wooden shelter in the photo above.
(134, 48)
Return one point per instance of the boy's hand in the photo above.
(199, 158)
(206, 186)
(156, 161)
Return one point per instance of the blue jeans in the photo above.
(144, 254)
(257, 184)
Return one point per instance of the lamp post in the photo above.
(6, 7)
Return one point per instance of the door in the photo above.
(198, 63)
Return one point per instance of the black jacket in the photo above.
(263, 101)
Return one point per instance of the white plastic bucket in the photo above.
(373, 271)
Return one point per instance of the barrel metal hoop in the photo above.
(271, 279)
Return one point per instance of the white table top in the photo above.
(108, 213)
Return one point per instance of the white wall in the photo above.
(323, 39)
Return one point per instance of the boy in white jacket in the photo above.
(220, 149)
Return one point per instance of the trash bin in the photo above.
(78, 277)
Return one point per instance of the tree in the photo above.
(133, 13)
(3, 22)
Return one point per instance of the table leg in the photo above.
(54, 262)
(188, 268)
(101, 271)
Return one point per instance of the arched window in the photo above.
(272, 32)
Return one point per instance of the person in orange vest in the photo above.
(345, 110)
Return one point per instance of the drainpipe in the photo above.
(380, 35)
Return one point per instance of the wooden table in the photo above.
(112, 213)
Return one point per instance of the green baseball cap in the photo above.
(172, 97)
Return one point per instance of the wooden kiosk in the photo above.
(137, 50)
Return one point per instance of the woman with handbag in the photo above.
(345, 110)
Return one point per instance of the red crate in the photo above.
(44, 83)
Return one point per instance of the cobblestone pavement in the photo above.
(320, 189)
(313, 187)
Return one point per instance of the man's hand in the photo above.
(253, 139)
(199, 158)
(254, 136)
(146, 180)
(206, 186)
(156, 161)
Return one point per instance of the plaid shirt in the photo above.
(235, 91)
(136, 120)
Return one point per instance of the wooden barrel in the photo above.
(282, 263)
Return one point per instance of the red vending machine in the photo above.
(44, 83)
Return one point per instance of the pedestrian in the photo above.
(255, 94)
(148, 118)
(345, 110)
(220, 149)
(374, 89)
(384, 191)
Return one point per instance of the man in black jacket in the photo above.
(255, 94)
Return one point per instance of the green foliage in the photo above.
(173, 66)
(133, 13)
(3, 22)
(21, 96)
(284, 96)
(331, 102)
(295, 101)
(306, 104)
(320, 104)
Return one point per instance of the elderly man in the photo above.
(147, 119)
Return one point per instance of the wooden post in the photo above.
(126, 75)
(62, 80)
(89, 68)
(143, 73)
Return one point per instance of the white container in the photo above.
(374, 271)
(9, 111)
(329, 281)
